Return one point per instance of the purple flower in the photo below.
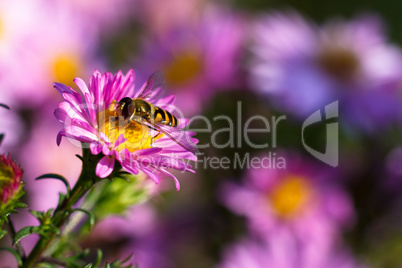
(303, 67)
(197, 58)
(300, 197)
(93, 120)
(282, 250)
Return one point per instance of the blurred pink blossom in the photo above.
(302, 197)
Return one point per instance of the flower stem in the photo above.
(61, 214)
(13, 233)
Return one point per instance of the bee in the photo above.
(140, 110)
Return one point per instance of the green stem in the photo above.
(17, 245)
(61, 214)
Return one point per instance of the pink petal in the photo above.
(119, 140)
(105, 167)
(130, 166)
(80, 133)
(151, 174)
(176, 181)
(106, 149)
(59, 136)
(61, 88)
(95, 147)
(81, 85)
(147, 151)
(60, 115)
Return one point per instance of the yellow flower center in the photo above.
(137, 135)
(6, 174)
(341, 63)
(183, 68)
(65, 68)
(290, 196)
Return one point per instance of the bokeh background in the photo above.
(272, 58)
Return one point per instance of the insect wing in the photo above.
(154, 88)
(176, 135)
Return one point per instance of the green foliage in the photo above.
(28, 230)
(46, 227)
(9, 208)
(57, 177)
(90, 215)
(2, 233)
(118, 195)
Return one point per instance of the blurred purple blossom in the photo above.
(282, 250)
(302, 67)
(48, 44)
(197, 58)
(137, 233)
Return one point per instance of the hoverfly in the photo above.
(140, 110)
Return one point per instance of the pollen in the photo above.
(137, 135)
(184, 67)
(290, 196)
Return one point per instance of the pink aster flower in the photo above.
(301, 197)
(94, 121)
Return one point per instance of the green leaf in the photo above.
(57, 177)
(80, 157)
(37, 214)
(28, 230)
(61, 198)
(20, 205)
(16, 255)
(99, 256)
(129, 257)
(5, 106)
(3, 217)
(2, 233)
(90, 215)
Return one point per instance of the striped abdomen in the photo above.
(165, 117)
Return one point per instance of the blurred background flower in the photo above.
(248, 73)
(304, 67)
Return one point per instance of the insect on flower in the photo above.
(140, 110)
(133, 127)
